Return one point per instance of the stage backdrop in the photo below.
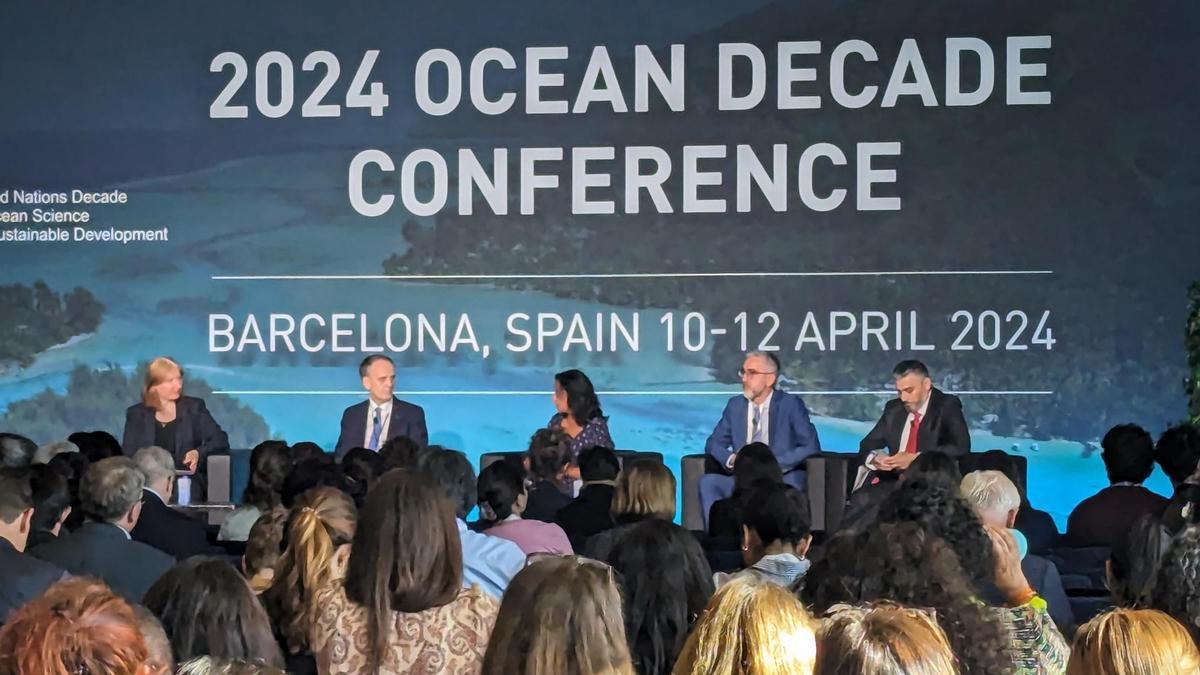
(493, 192)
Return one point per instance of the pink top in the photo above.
(533, 536)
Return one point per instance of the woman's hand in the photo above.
(192, 460)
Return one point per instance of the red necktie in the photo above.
(911, 446)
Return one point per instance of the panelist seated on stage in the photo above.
(762, 414)
(179, 424)
(382, 416)
(921, 418)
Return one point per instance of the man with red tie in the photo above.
(921, 419)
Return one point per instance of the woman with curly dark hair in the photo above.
(1177, 591)
(903, 563)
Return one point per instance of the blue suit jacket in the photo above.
(792, 436)
(407, 420)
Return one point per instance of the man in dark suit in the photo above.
(22, 577)
(920, 418)
(161, 526)
(762, 414)
(591, 511)
(111, 498)
(382, 416)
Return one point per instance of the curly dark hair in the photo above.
(1177, 591)
(935, 504)
(549, 451)
(904, 563)
(581, 396)
(270, 463)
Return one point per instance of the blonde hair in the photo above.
(645, 488)
(1133, 642)
(157, 372)
(750, 627)
(321, 520)
(560, 615)
(882, 639)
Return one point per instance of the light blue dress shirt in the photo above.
(490, 562)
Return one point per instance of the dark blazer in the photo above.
(544, 502)
(102, 550)
(195, 429)
(168, 530)
(791, 433)
(943, 428)
(407, 420)
(24, 578)
(587, 514)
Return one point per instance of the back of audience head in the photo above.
(501, 491)
(160, 660)
(306, 450)
(666, 582)
(1128, 454)
(207, 665)
(560, 615)
(549, 455)
(406, 556)
(398, 452)
(96, 445)
(16, 505)
(750, 627)
(322, 520)
(51, 450)
(755, 465)
(51, 500)
(934, 463)
(904, 563)
(452, 472)
(598, 463)
(16, 450)
(270, 464)
(1133, 642)
(264, 549)
(998, 460)
(1178, 452)
(1177, 589)
(360, 467)
(76, 626)
(111, 492)
(645, 489)
(308, 474)
(882, 639)
(1132, 567)
(993, 496)
(777, 519)
(936, 505)
(207, 609)
(72, 466)
(158, 468)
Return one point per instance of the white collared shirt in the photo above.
(764, 420)
(385, 417)
(908, 426)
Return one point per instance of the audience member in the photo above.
(665, 582)
(490, 562)
(1128, 454)
(160, 659)
(756, 466)
(549, 457)
(645, 489)
(49, 451)
(308, 474)
(16, 451)
(776, 534)
(882, 639)
(270, 464)
(403, 606)
(72, 466)
(750, 627)
(863, 509)
(307, 450)
(560, 615)
(22, 577)
(206, 665)
(1133, 642)
(996, 501)
(51, 504)
(77, 627)
(207, 609)
(399, 452)
(111, 499)
(161, 526)
(904, 563)
(263, 549)
(1178, 453)
(1177, 591)
(319, 530)
(502, 499)
(96, 445)
(361, 467)
(1132, 567)
(591, 511)
(1038, 526)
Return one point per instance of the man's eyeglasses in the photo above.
(742, 372)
